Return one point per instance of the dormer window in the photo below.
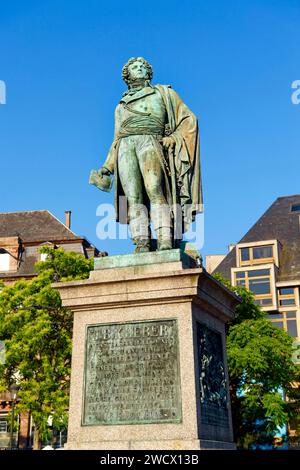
(4, 260)
(253, 253)
(295, 208)
(44, 256)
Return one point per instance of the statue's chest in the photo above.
(150, 104)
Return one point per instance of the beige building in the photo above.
(267, 261)
(22, 234)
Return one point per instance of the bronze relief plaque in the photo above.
(213, 386)
(132, 373)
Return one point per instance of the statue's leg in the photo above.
(151, 169)
(131, 180)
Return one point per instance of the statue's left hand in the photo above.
(168, 142)
(104, 171)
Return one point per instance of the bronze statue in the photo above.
(155, 160)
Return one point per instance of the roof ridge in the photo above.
(33, 225)
(287, 197)
(40, 210)
(24, 212)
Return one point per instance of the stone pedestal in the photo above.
(149, 365)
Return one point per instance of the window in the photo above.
(260, 252)
(295, 208)
(4, 260)
(256, 254)
(245, 254)
(287, 296)
(257, 281)
(285, 320)
(3, 424)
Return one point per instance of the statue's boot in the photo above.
(162, 224)
(140, 234)
(142, 246)
(164, 238)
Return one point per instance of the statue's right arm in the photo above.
(109, 164)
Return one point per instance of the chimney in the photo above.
(68, 218)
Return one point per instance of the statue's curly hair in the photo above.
(125, 71)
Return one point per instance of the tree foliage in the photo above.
(63, 265)
(37, 332)
(263, 376)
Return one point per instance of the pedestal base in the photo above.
(169, 444)
(149, 366)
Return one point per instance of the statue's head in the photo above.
(136, 69)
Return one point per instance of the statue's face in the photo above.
(137, 71)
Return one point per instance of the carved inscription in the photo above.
(132, 373)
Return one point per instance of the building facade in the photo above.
(267, 262)
(23, 234)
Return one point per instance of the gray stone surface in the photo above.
(135, 294)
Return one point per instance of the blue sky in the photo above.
(232, 62)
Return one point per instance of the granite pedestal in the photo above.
(149, 366)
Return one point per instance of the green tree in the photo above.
(37, 332)
(263, 376)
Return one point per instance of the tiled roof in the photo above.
(34, 226)
(279, 223)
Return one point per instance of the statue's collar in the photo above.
(132, 95)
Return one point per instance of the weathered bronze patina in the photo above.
(213, 387)
(155, 160)
(132, 373)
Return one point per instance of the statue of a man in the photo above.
(154, 158)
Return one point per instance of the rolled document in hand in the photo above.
(102, 182)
